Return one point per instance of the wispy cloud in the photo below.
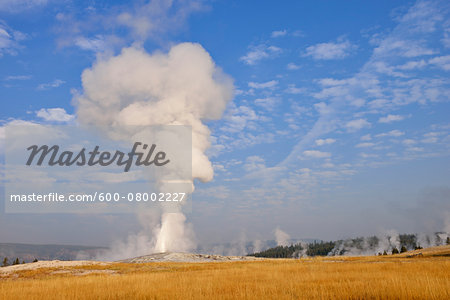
(409, 142)
(54, 84)
(278, 33)
(263, 85)
(292, 89)
(328, 141)
(9, 39)
(391, 118)
(54, 114)
(268, 103)
(292, 66)
(442, 62)
(260, 52)
(332, 50)
(366, 137)
(392, 133)
(365, 145)
(430, 137)
(413, 64)
(357, 124)
(316, 154)
(254, 163)
(239, 118)
(118, 25)
(96, 44)
(18, 77)
(15, 6)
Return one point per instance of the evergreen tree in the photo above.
(448, 240)
(35, 260)
(385, 252)
(5, 262)
(16, 261)
(23, 262)
(403, 249)
(394, 251)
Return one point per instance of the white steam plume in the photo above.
(387, 242)
(135, 88)
(281, 237)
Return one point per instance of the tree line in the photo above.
(14, 262)
(297, 250)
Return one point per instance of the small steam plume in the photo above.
(281, 237)
(135, 88)
(387, 242)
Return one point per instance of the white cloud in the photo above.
(336, 82)
(383, 68)
(219, 192)
(405, 48)
(263, 85)
(390, 118)
(278, 33)
(292, 66)
(368, 155)
(365, 145)
(254, 163)
(239, 118)
(260, 52)
(123, 25)
(20, 5)
(392, 133)
(328, 165)
(410, 65)
(366, 137)
(446, 39)
(96, 44)
(331, 50)
(316, 154)
(54, 84)
(298, 33)
(415, 149)
(383, 93)
(9, 39)
(18, 77)
(430, 137)
(156, 17)
(268, 103)
(54, 114)
(430, 140)
(292, 89)
(442, 62)
(322, 108)
(409, 142)
(328, 141)
(357, 124)
(358, 102)
(378, 103)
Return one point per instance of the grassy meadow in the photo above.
(372, 277)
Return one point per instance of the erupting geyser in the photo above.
(135, 88)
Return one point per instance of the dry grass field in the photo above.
(425, 276)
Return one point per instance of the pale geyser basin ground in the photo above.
(405, 276)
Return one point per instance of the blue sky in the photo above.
(339, 125)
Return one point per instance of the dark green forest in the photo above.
(297, 250)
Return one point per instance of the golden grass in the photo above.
(391, 277)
